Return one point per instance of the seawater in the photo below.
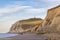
(2, 35)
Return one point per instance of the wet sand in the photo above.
(25, 37)
(52, 36)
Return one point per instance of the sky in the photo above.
(15, 10)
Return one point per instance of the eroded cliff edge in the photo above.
(51, 23)
(26, 26)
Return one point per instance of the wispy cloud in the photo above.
(21, 9)
(17, 12)
(11, 9)
(54, 0)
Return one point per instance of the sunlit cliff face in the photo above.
(12, 11)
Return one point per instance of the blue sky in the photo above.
(14, 10)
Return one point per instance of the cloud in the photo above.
(52, 0)
(4, 26)
(34, 10)
(14, 9)
(11, 9)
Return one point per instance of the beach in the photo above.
(25, 37)
(52, 36)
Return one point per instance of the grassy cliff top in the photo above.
(31, 21)
(25, 24)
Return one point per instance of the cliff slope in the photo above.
(26, 26)
(52, 21)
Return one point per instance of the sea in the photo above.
(2, 35)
